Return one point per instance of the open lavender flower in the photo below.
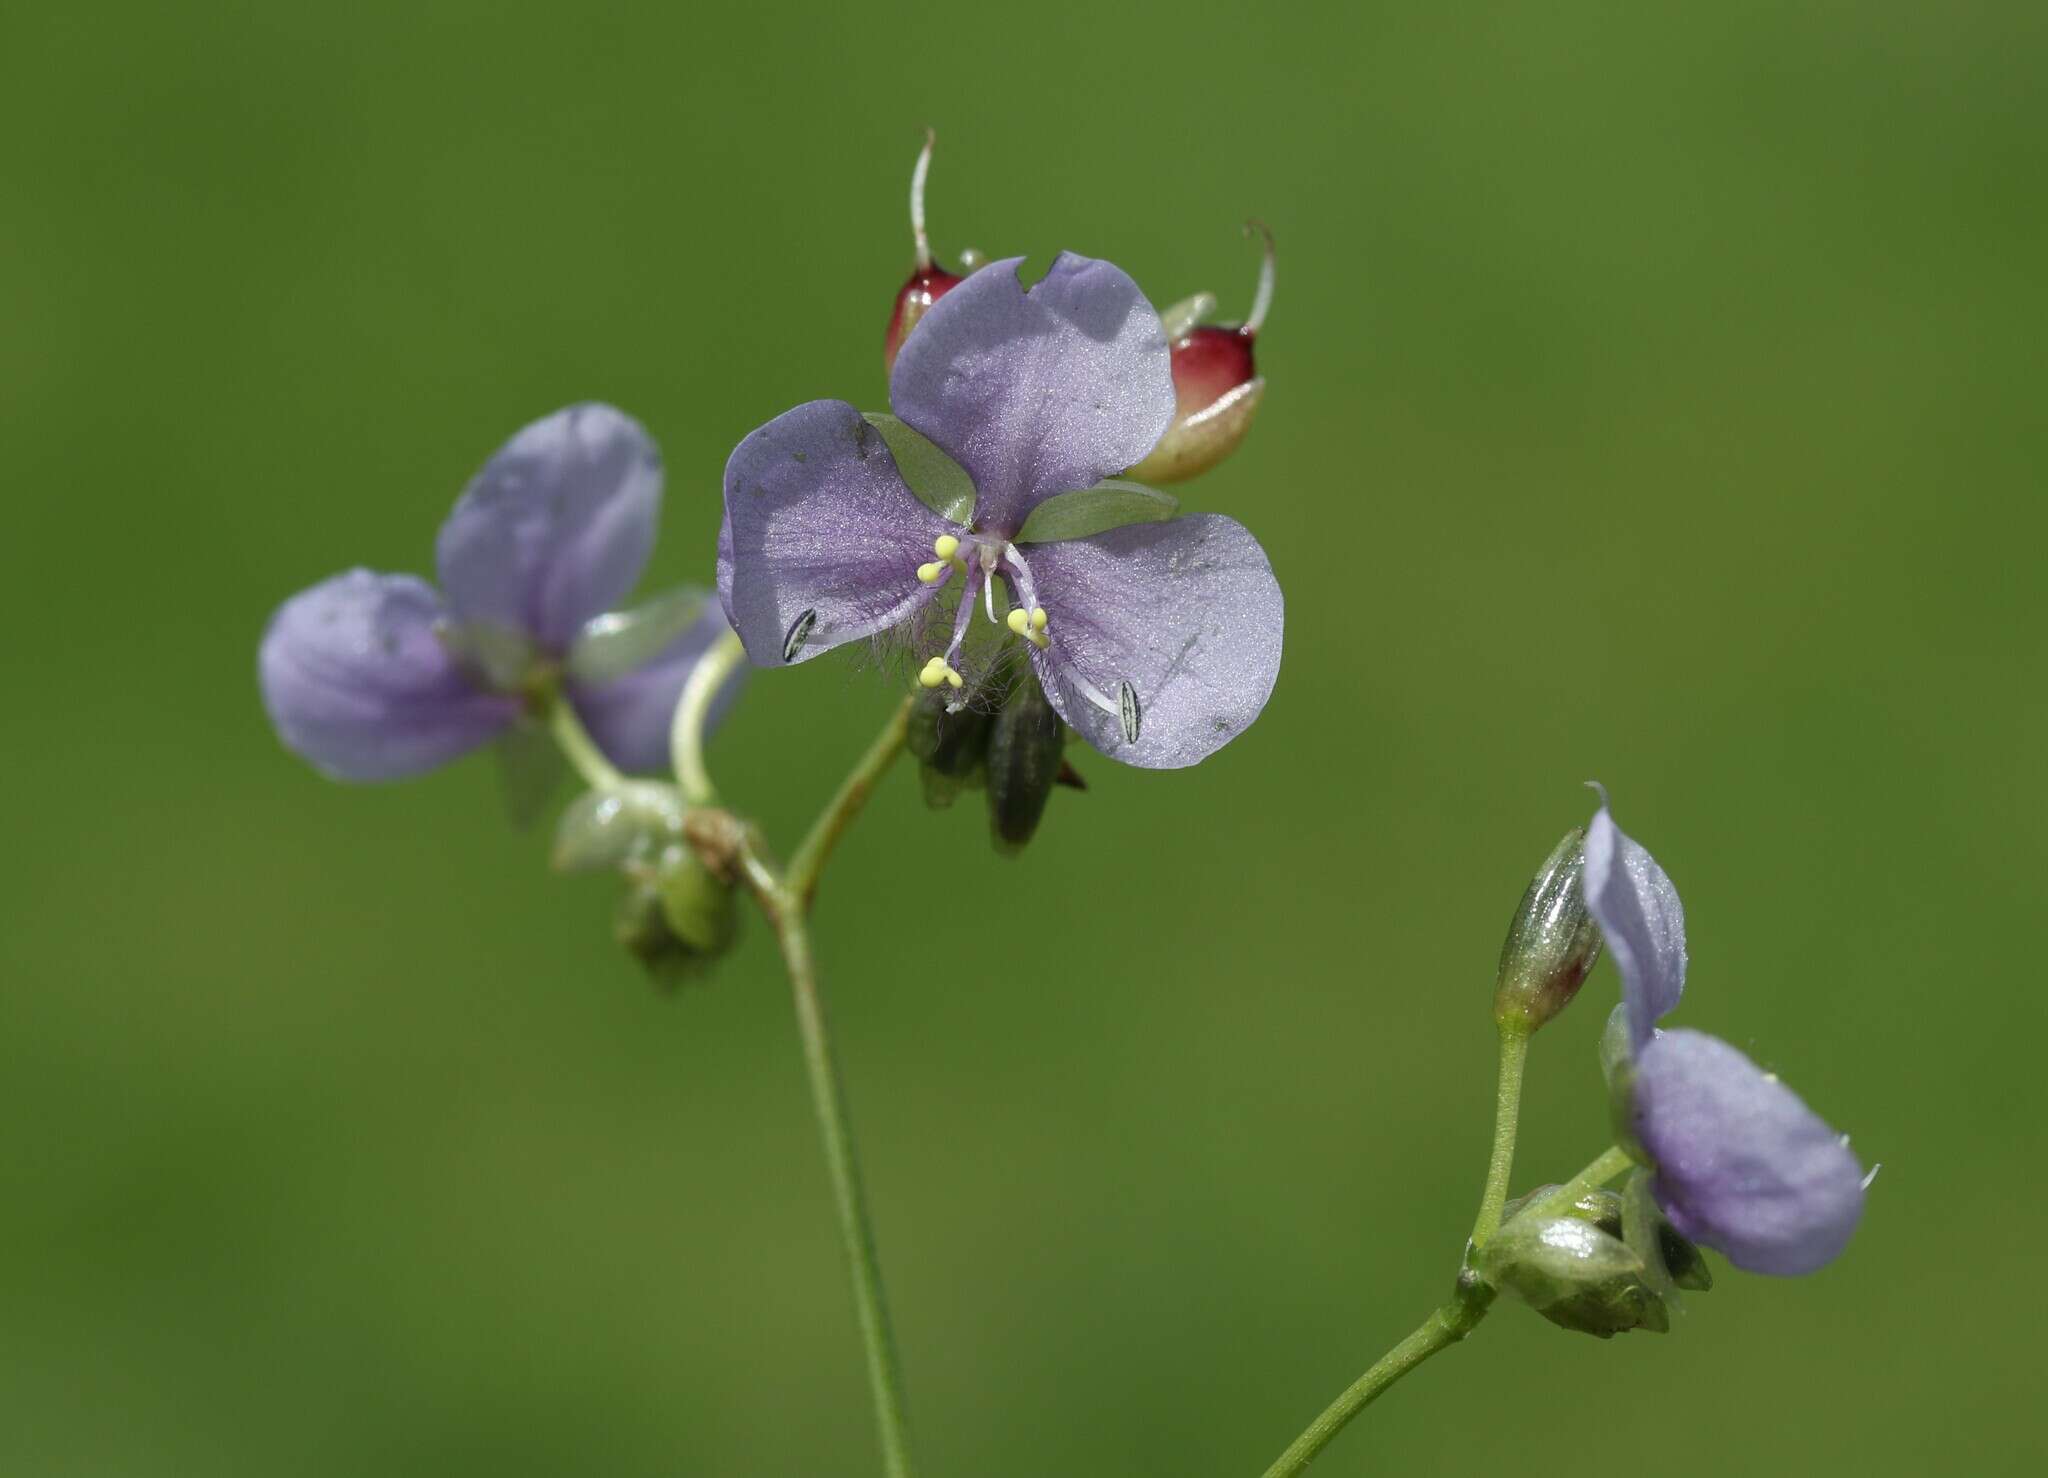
(1740, 1162)
(1158, 641)
(377, 677)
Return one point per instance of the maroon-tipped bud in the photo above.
(928, 282)
(1216, 384)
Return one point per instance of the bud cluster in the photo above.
(676, 916)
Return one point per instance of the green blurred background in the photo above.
(1655, 395)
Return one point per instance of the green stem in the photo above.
(582, 751)
(785, 898)
(828, 1098)
(693, 707)
(1507, 1113)
(1439, 1331)
(1612, 1162)
(801, 879)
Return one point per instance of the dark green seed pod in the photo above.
(950, 747)
(1024, 745)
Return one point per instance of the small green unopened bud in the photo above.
(607, 828)
(1576, 1275)
(1024, 747)
(676, 919)
(950, 747)
(1552, 944)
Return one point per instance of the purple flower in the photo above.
(1159, 641)
(377, 677)
(1740, 1162)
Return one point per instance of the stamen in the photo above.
(799, 632)
(932, 573)
(1020, 577)
(917, 231)
(945, 546)
(937, 671)
(1125, 710)
(1262, 299)
(1038, 618)
(1030, 625)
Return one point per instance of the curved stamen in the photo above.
(1262, 299)
(1123, 708)
(917, 231)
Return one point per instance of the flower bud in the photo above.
(928, 282)
(1024, 764)
(950, 747)
(677, 918)
(1217, 389)
(608, 828)
(1552, 944)
(1575, 1275)
(1601, 1294)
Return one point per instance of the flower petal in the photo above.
(556, 527)
(1185, 613)
(1742, 1163)
(1642, 920)
(629, 716)
(358, 684)
(822, 541)
(1037, 393)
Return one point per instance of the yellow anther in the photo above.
(954, 679)
(936, 671)
(945, 546)
(1031, 627)
(930, 573)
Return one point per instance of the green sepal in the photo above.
(940, 483)
(1110, 504)
(619, 642)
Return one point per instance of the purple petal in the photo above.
(1638, 911)
(358, 684)
(629, 716)
(1742, 1164)
(556, 527)
(1187, 613)
(1037, 393)
(822, 541)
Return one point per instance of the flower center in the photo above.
(985, 559)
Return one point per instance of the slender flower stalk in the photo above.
(693, 709)
(1442, 1329)
(1514, 1056)
(828, 1098)
(1611, 1162)
(801, 880)
(784, 896)
(580, 749)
